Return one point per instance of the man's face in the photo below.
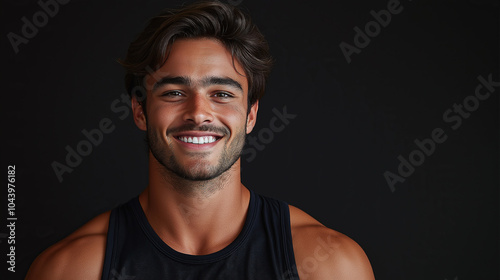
(197, 110)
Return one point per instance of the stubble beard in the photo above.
(202, 176)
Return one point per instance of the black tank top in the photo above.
(263, 250)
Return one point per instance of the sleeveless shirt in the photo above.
(263, 249)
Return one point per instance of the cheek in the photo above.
(159, 117)
(234, 117)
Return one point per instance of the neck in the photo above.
(195, 217)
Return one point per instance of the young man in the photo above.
(195, 77)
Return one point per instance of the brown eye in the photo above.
(172, 93)
(223, 94)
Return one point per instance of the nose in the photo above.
(198, 110)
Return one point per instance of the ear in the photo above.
(138, 113)
(252, 117)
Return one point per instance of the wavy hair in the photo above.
(206, 19)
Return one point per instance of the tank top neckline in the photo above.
(196, 259)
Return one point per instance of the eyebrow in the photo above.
(172, 81)
(205, 82)
(225, 81)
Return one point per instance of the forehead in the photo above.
(198, 59)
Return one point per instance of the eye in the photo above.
(223, 95)
(172, 94)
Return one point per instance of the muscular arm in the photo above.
(322, 253)
(78, 256)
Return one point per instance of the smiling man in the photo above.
(195, 77)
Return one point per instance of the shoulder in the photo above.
(78, 256)
(323, 253)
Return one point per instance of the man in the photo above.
(195, 77)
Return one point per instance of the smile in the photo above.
(198, 140)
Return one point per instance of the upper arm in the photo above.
(78, 256)
(348, 261)
(322, 253)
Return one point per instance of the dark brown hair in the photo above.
(207, 19)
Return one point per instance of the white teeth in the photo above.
(198, 140)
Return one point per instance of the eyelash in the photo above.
(176, 93)
(170, 93)
(227, 94)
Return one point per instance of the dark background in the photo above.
(352, 122)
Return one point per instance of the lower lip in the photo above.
(198, 146)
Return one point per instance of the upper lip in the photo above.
(196, 134)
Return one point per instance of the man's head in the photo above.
(203, 69)
(207, 19)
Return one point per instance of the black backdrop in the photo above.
(343, 124)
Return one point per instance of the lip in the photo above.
(192, 146)
(197, 134)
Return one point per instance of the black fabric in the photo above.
(263, 249)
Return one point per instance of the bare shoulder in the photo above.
(78, 256)
(323, 253)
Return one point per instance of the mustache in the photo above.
(193, 127)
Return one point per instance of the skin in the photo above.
(196, 216)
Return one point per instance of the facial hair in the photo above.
(164, 153)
